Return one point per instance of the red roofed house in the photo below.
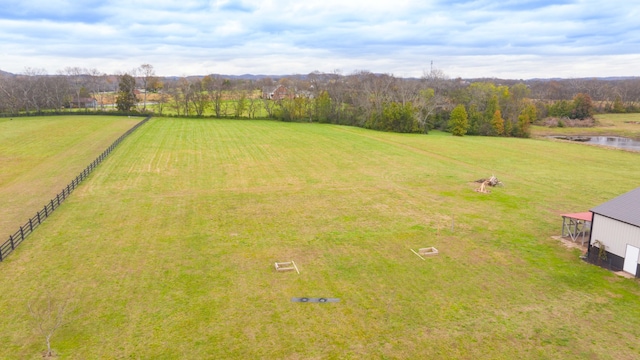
(278, 93)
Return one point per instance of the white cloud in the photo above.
(466, 38)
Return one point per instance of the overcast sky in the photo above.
(516, 39)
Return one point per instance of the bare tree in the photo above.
(174, 100)
(31, 89)
(215, 86)
(199, 98)
(253, 106)
(146, 74)
(405, 91)
(48, 315)
(369, 93)
(254, 95)
(240, 104)
(184, 87)
(163, 98)
(75, 76)
(60, 91)
(10, 100)
(180, 92)
(268, 106)
(336, 87)
(97, 84)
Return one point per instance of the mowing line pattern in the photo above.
(168, 249)
(18, 237)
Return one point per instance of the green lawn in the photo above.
(227, 109)
(166, 251)
(39, 156)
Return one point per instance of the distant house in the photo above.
(304, 94)
(279, 92)
(615, 228)
(84, 103)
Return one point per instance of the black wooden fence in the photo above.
(18, 237)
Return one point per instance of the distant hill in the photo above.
(605, 78)
(506, 81)
(248, 76)
(259, 76)
(256, 77)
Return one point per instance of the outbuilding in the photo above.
(615, 233)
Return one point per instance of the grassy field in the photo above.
(167, 250)
(228, 109)
(627, 125)
(39, 156)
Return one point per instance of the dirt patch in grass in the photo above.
(570, 243)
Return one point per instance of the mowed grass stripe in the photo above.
(168, 250)
(39, 156)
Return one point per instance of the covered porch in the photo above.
(577, 226)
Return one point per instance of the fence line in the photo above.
(18, 237)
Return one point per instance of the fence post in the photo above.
(0, 254)
(21, 234)
(11, 241)
(30, 225)
(39, 222)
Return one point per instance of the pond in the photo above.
(614, 141)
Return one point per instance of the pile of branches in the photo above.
(492, 181)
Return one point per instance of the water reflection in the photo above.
(614, 141)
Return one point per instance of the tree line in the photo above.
(491, 107)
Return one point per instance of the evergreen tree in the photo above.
(126, 99)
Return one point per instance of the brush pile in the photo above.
(484, 183)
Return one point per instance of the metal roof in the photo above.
(625, 208)
(586, 216)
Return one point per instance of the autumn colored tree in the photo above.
(498, 123)
(458, 122)
(322, 107)
(582, 107)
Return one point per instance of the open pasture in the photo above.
(39, 156)
(167, 250)
(625, 125)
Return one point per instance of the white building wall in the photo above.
(615, 235)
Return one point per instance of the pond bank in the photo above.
(613, 141)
